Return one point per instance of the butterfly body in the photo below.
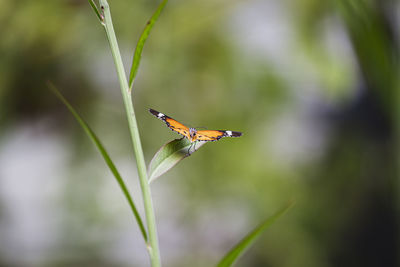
(192, 134)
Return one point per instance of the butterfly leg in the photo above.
(188, 151)
(194, 148)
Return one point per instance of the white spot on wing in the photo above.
(160, 115)
(229, 133)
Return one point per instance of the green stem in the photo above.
(137, 147)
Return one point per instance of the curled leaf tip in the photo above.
(171, 154)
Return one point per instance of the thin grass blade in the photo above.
(139, 47)
(233, 255)
(96, 10)
(105, 155)
(169, 155)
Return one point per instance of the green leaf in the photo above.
(105, 155)
(96, 10)
(142, 40)
(248, 240)
(169, 155)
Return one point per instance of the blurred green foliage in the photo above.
(319, 115)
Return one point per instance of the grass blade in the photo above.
(142, 40)
(96, 10)
(234, 254)
(105, 155)
(152, 244)
(169, 155)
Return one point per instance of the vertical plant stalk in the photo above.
(152, 244)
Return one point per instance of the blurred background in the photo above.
(313, 85)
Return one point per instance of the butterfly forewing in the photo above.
(177, 127)
(171, 123)
(214, 135)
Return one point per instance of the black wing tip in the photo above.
(236, 134)
(154, 112)
(231, 133)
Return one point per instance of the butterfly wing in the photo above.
(171, 123)
(214, 135)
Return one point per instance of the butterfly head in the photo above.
(192, 134)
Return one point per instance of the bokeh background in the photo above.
(314, 86)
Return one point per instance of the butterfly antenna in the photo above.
(201, 127)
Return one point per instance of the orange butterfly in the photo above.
(191, 133)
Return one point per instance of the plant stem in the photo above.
(137, 147)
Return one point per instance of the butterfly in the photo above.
(192, 134)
